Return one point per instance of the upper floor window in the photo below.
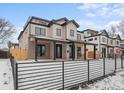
(78, 36)
(58, 32)
(40, 31)
(96, 38)
(72, 33)
(111, 42)
(91, 39)
(103, 39)
(117, 42)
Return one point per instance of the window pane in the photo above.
(40, 31)
(90, 39)
(70, 51)
(72, 33)
(41, 50)
(37, 30)
(78, 52)
(58, 32)
(43, 31)
(79, 36)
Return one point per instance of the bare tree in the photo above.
(6, 30)
(112, 31)
(120, 27)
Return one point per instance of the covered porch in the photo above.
(42, 48)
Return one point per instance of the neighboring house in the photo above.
(106, 44)
(122, 45)
(52, 39)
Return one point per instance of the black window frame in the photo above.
(91, 39)
(78, 52)
(41, 51)
(40, 31)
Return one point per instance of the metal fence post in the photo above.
(16, 76)
(63, 75)
(88, 70)
(103, 66)
(115, 64)
(121, 61)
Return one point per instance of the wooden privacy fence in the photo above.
(19, 53)
(90, 55)
(62, 75)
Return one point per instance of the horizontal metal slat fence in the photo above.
(62, 75)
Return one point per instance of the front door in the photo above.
(58, 51)
(41, 50)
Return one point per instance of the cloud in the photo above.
(91, 6)
(90, 15)
(90, 24)
(104, 10)
(88, 6)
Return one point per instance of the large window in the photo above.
(72, 33)
(40, 31)
(91, 39)
(117, 42)
(58, 51)
(111, 42)
(41, 50)
(103, 39)
(78, 36)
(78, 52)
(70, 51)
(58, 32)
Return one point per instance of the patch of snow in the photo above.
(6, 78)
(115, 82)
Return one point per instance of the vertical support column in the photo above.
(84, 51)
(88, 69)
(35, 49)
(16, 76)
(94, 51)
(108, 54)
(104, 64)
(73, 51)
(113, 52)
(63, 75)
(54, 45)
(121, 61)
(115, 64)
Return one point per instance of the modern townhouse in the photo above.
(59, 39)
(106, 45)
(52, 39)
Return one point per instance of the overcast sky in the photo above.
(93, 16)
